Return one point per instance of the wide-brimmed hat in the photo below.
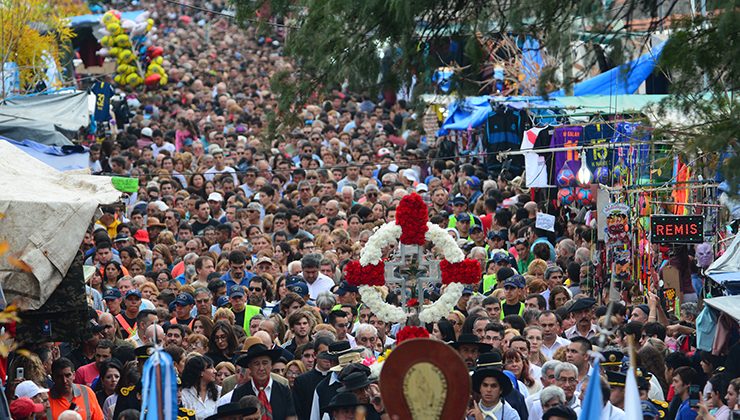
(258, 350)
(153, 222)
(342, 400)
(232, 409)
(471, 339)
(354, 381)
(336, 349)
(490, 365)
(346, 359)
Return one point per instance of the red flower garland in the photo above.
(466, 271)
(408, 332)
(369, 275)
(412, 215)
(412, 302)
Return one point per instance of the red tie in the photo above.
(262, 396)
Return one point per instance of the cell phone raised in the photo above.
(694, 395)
(20, 373)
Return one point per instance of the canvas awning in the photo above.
(45, 216)
(727, 304)
(49, 119)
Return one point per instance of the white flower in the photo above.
(373, 251)
(444, 243)
(384, 311)
(443, 306)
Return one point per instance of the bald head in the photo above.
(265, 337)
(154, 329)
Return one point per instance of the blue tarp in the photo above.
(621, 80)
(470, 112)
(64, 158)
(89, 20)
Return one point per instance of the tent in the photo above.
(725, 270)
(50, 119)
(45, 216)
(621, 80)
(61, 158)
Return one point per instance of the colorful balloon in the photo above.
(106, 41)
(152, 80)
(114, 28)
(122, 41)
(133, 80)
(583, 196)
(114, 51)
(566, 196)
(163, 81)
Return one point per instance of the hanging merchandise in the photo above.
(504, 130)
(566, 177)
(618, 246)
(633, 158)
(599, 159)
(567, 195)
(569, 136)
(129, 43)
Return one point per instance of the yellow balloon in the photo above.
(119, 79)
(114, 28)
(154, 68)
(106, 41)
(163, 81)
(123, 40)
(113, 52)
(108, 17)
(159, 60)
(126, 56)
(149, 24)
(133, 79)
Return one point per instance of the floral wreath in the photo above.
(411, 227)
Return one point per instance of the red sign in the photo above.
(676, 229)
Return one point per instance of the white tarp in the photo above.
(729, 262)
(727, 304)
(46, 214)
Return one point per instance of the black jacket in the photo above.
(281, 399)
(303, 389)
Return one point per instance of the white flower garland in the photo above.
(384, 311)
(443, 306)
(373, 251)
(444, 242)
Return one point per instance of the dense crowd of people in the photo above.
(231, 257)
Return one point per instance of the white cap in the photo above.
(422, 187)
(214, 196)
(28, 389)
(147, 132)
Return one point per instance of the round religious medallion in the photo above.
(424, 379)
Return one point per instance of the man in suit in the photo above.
(306, 384)
(275, 397)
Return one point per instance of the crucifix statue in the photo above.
(410, 268)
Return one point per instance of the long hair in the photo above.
(524, 375)
(230, 339)
(194, 367)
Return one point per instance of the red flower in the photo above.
(412, 302)
(369, 275)
(412, 215)
(466, 271)
(409, 332)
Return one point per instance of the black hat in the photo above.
(336, 349)
(460, 199)
(582, 304)
(143, 352)
(232, 409)
(258, 350)
(481, 373)
(504, 273)
(560, 411)
(473, 340)
(612, 357)
(616, 378)
(354, 381)
(342, 400)
(490, 359)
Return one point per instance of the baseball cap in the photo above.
(496, 235)
(476, 227)
(500, 257)
(422, 187)
(111, 294)
(467, 290)
(142, 235)
(254, 206)
(261, 260)
(463, 217)
(459, 199)
(24, 407)
(121, 237)
(299, 287)
(345, 287)
(236, 291)
(147, 132)
(516, 280)
(384, 151)
(28, 389)
(473, 182)
(222, 301)
(133, 292)
(184, 299)
(215, 196)
(215, 149)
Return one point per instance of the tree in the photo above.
(375, 45)
(33, 33)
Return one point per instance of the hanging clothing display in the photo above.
(600, 158)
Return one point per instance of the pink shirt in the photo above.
(86, 374)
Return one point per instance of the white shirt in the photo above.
(212, 172)
(534, 407)
(322, 284)
(315, 409)
(165, 146)
(550, 351)
(202, 408)
(611, 412)
(573, 331)
(268, 388)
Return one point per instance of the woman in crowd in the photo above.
(110, 375)
(222, 344)
(199, 389)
